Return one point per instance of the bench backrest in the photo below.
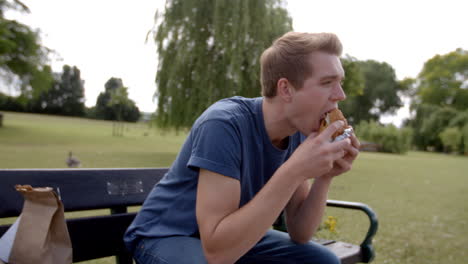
(86, 189)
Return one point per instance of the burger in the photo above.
(332, 116)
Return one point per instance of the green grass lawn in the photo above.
(420, 198)
(41, 141)
(421, 202)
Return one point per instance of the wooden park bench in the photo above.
(370, 146)
(116, 189)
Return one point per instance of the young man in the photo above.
(246, 160)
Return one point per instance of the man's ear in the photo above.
(284, 89)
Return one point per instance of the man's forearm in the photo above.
(303, 223)
(240, 230)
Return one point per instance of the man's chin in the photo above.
(310, 132)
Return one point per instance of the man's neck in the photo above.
(276, 123)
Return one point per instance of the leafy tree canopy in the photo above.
(210, 49)
(354, 82)
(22, 57)
(460, 119)
(443, 80)
(380, 93)
(451, 138)
(440, 99)
(435, 124)
(114, 104)
(65, 96)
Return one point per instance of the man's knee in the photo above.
(171, 250)
(326, 256)
(331, 258)
(317, 253)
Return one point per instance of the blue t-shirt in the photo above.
(228, 138)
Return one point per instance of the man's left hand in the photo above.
(344, 164)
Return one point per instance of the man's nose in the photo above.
(338, 93)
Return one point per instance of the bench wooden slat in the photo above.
(81, 189)
(348, 253)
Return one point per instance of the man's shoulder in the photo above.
(236, 104)
(230, 109)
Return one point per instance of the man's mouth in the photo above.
(325, 115)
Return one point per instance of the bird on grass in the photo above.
(73, 162)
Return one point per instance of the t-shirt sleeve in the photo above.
(216, 147)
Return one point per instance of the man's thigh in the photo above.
(171, 250)
(277, 247)
(274, 248)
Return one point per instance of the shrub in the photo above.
(451, 138)
(389, 137)
(434, 125)
(465, 138)
(10, 103)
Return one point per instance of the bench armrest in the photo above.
(367, 249)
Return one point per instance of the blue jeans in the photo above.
(274, 247)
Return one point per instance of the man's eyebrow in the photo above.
(334, 76)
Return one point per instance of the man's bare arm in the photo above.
(305, 210)
(227, 231)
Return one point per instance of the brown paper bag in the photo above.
(42, 236)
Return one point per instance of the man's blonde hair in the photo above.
(287, 58)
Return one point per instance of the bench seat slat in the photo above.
(348, 253)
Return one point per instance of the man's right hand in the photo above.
(317, 154)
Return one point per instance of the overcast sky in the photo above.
(106, 38)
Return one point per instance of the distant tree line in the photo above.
(24, 66)
(65, 96)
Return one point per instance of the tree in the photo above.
(439, 97)
(422, 113)
(460, 119)
(209, 50)
(22, 57)
(353, 84)
(118, 100)
(379, 96)
(103, 109)
(114, 104)
(72, 91)
(434, 125)
(65, 97)
(443, 80)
